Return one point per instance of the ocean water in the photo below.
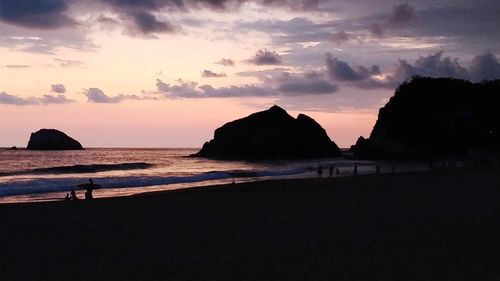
(49, 175)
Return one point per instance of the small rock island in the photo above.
(270, 134)
(52, 139)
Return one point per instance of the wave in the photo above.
(47, 185)
(80, 169)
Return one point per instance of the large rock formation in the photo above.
(430, 117)
(51, 139)
(270, 134)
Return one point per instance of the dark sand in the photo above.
(420, 226)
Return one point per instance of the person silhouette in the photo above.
(72, 195)
(355, 169)
(88, 193)
(377, 169)
(330, 170)
(320, 170)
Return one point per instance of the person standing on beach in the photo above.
(320, 171)
(355, 169)
(330, 170)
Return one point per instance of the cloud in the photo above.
(59, 99)
(286, 84)
(340, 37)
(299, 29)
(16, 66)
(182, 90)
(402, 13)
(341, 71)
(58, 88)
(68, 63)
(211, 74)
(226, 62)
(377, 30)
(46, 99)
(485, 67)
(41, 14)
(15, 100)
(305, 87)
(266, 57)
(434, 65)
(218, 5)
(96, 95)
(237, 91)
(146, 23)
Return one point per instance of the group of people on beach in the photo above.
(89, 187)
(331, 168)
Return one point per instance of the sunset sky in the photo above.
(166, 73)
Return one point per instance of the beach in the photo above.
(434, 225)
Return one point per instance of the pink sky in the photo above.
(168, 73)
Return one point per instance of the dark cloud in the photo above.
(43, 14)
(340, 37)
(434, 65)
(377, 30)
(226, 62)
(96, 95)
(307, 87)
(402, 13)
(485, 67)
(147, 23)
(46, 99)
(266, 57)
(341, 71)
(210, 74)
(58, 88)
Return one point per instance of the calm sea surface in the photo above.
(48, 175)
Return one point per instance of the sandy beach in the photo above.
(414, 226)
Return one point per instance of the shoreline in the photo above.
(39, 190)
(138, 190)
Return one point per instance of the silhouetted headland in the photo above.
(270, 134)
(52, 139)
(436, 117)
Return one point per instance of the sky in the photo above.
(167, 73)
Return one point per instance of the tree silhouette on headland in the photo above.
(436, 116)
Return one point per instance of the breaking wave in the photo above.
(47, 185)
(80, 169)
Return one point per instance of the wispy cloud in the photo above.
(45, 99)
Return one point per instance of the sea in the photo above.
(28, 175)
